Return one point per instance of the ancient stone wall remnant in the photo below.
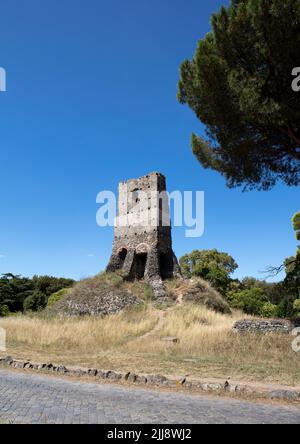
(263, 326)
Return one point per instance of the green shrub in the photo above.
(269, 310)
(57, 296)
(4, 310)
(148, 293)
(250, 301)
(36, 301)
(296, 307)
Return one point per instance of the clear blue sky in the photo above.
(91, 100)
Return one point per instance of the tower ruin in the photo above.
(142, 245)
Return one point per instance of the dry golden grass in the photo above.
(207, 349)
(79, 333)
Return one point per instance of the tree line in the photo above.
(20, 294)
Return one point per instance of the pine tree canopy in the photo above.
(239, 85)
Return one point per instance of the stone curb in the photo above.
(153, 380)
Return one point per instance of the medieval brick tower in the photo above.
(142, 245)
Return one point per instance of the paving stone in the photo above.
(41, 399)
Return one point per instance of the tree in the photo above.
(239, 85)
(35, 302)
(269, 310)
(250, 301)
(270, 289)
(291, 285)
(211, 265)
(296, 307)
(49, 284)
(4, 310)
(292, 265)
(14, 290)
(296, 225)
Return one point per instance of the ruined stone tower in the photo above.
(142, 244)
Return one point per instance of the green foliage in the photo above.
(296, 307)
(250, 301)
(36, 301)
(239, 86)
(286, 306)
(19, 293)
(296, 225)
(291, 284)
(148, 293)
(211, 265)
(57, 296)
(4, 310)
(49, 284)
(269, 310)
(271, 290)
(14, 290)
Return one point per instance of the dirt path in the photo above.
(162, 314)
(158, 326)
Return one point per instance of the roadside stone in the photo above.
(132, 377)
(181, 381)
(157, 379)
(170, 383)
(19, 364)
(212, 387)
(113, 376)
(41, 366)
(28, 365)
(284, 394)
(141, 380)
(78, 372)
(126, 376)
(7, 360)
(101, 374)
(61, 369)
(232, 388)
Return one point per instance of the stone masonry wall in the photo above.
(142, 245)
(263, 326)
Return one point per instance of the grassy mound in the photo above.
(103, 294)
(109, 293)
(199, 292)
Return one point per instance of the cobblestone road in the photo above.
(30, 398)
